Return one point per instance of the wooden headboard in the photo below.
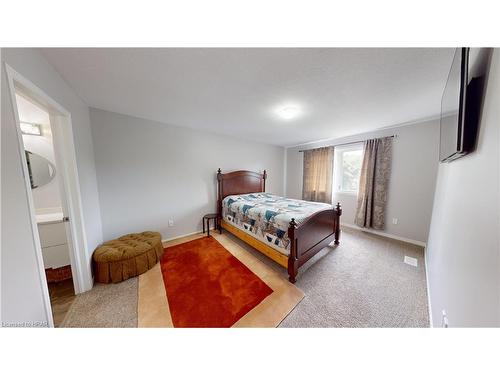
(239, 182)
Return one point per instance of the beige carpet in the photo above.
(153, 308)
(106, 305)
(361, 283)
(364, 282)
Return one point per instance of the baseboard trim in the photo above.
(429, 307)
(183, 235)
(352, 226)
(384, 234)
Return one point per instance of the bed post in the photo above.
(293, 261)
(219, 200)
(338, 213)
(264, 177)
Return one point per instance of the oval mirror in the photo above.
(41, 170)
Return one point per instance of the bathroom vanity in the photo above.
(55, 249)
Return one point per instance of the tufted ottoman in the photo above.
(126, 257)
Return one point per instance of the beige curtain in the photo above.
(373, 183)
(318, 175)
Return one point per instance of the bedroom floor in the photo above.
(362, 283)
(62, 295)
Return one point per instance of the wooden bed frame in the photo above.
(316, 232)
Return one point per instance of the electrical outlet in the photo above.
(444, 321)
(394, 220)
(171, 223)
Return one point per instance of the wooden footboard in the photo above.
(318, 231)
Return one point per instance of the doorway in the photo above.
(46, 192)
(47, 154)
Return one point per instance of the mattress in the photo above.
(266, 216)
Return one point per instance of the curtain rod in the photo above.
(348, 143)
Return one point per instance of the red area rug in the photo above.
(207, 286)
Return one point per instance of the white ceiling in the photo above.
(235, 91)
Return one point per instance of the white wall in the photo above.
(463, 249)
(150, 172)
(413, 178)
(21, 287)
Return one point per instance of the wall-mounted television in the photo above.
(460, 107)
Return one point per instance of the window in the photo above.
(347, 168)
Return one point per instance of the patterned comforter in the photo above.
(266, 216)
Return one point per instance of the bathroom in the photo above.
(46, 194)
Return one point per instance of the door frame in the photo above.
(65, 157)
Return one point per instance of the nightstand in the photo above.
(207, 218)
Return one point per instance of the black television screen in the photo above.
(460, 108)
(452, 108)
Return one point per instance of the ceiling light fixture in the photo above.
(289, 112)
(30, 128)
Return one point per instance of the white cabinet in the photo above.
(55, 250)
(52, 234)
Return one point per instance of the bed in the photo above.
(289, 231)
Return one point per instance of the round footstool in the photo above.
(126, 257)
